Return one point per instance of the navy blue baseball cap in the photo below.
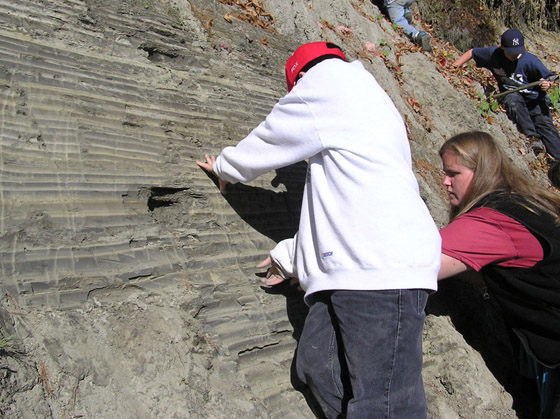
(513, 42)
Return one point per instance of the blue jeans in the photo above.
(360, 353)
(532, 118)
(548, 384)
(396, 14)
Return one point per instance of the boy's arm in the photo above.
(463, 58)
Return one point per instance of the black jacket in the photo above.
(530, 297)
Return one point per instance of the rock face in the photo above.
(129, 286)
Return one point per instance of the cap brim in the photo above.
(514, 50)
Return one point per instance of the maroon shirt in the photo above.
(484, 236)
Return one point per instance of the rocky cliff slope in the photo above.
(129, 286)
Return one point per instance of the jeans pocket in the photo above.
(422, 300)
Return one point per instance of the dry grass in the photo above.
(45, 380)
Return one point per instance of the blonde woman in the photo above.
(506, 226)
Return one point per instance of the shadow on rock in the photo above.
(478, 318)
(273, 214)
(297, 312)
(276, 215)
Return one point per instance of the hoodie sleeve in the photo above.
(288, 135)
(283, 255)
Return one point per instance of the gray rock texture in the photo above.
(129, 286)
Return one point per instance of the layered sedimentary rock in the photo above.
(129, 282)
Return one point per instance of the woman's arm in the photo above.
(451, 267)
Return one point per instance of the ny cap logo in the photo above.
(515, 41)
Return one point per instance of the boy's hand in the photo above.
(209, 167)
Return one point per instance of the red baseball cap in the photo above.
(306, 56)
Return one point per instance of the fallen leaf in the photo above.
(344, 29)
(414, 103)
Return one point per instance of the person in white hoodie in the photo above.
(367, 252)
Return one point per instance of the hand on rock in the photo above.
(274, 274)
(209, 167)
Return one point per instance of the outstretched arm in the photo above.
(463, 58)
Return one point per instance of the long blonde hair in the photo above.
(494, 172)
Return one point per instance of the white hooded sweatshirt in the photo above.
(363, 224)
